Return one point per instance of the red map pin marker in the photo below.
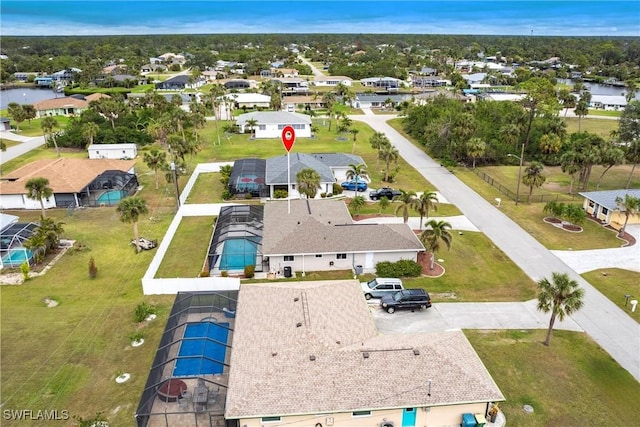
(288, 137)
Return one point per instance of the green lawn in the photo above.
(207, 189)
(188, 250)
(571, 383)
(475, 270)
(615, 284)
(9, 143)
(602, 127)
(444, 209)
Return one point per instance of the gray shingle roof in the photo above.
(277, 168)
(274, 117)
(325, 226)
(608, 198)
(272, 372)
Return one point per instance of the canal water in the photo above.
(600, 89)
(26, 96)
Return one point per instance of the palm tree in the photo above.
(308, 181)
(130, 209)
(407, 200)
(383, 203)
(48, 124)
(427, 200)
(251, 124)
(89, 131)
(533, 177)
(50, 230)
(38, 189)
(377, 141)
(581, 110)
(437, 232)
(388, 153)
(156, 159)
(37, 244)
(356, 204)
(630, 205)
(475, 148)
(354, 132)
(561, 296)
(17, 113)
(355, 172)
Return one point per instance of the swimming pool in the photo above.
(202, 350)
(110, 197)
(237, 254)
(15, 257)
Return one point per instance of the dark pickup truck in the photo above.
(387, 192)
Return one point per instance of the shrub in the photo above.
(144, 310)
(323, 195)
(249, 271)
(248, 196)
(402, 268)
(226, 195)
(25, 269)
(136, 336)
(93, 270)
(224, 273)
(337, 189)
(3, 146)
(280, 194)
(330, 195)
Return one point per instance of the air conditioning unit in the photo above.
(387, 424)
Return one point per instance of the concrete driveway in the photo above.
(462, 315)
(608, 325)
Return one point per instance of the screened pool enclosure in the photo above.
(248, 177)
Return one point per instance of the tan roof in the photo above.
(272, 372)
(65, 175)
(301, 100)
(96, 96)
(66, 102)
(325, 226)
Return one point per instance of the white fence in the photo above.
(152, 285)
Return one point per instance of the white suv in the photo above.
(381, 286)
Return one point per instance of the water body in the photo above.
(26, 96)
(600, 89)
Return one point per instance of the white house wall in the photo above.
(21, 201)
(444, 416)
(113, 153)
(329, 262)
(273, 131)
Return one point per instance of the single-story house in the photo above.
(290, 103)
(178, 82)
(269, 124)
(239, 84)
(5, 123)
(292, 84)
(152, 68)
(332, 81)
(321, 362)
(66, 106)
(332, 167)
(113, 151)
(494, 96)
(425, 81)
(602, 206)
(248, 100)
(608, 102)
(387, 83)
(367, 100)
(75, 182)
(320, 235)
(475, 78)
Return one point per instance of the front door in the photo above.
(368, 260)
(408, 417)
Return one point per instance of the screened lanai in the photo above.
(237, 239)
(12, 250)
(187, 383)
(248, 177)
(108, 188)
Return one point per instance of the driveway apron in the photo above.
(609, 326)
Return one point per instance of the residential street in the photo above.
(27, 144)
(615, 331)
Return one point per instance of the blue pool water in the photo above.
(16, 257)
(202, 350)
(111, 197)
(237, 254)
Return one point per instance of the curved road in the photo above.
(609, 326)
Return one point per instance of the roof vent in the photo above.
(312, 357)
(338, 342)
(274, 353)
(416, 352)
(298, 324)
(365, 354)
(296, 299)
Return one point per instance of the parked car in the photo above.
(407, 298)
(387, 192)
(381, 286)
(351, 185)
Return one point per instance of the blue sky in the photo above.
(538, 18)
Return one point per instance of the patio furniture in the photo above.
(171, 390)
(200, 398)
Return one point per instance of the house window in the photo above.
(605, 211)
(299, 126)
(262, 127)
(318, 255)
(341, 256)
(361, 413)
(591, 203)
(288, 258)
(270, 419)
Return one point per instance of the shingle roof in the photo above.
(276, 172)
(272, 372)
(608, 198)
(325, 226)
(274, 117)
(66, 102)
(65, 175)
